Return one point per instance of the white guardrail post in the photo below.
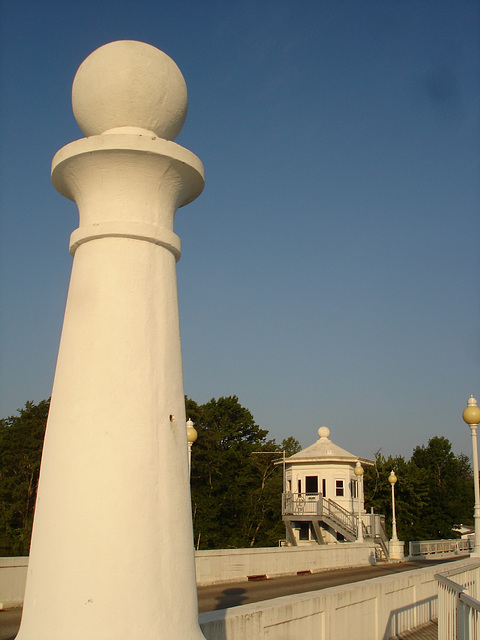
(458, 606)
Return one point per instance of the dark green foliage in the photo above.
(411, 494)
(236, 492)
(434, 491)
(449, 483)
(21, 440)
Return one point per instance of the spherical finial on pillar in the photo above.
(129, 84)
(323, 432)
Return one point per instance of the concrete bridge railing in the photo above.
(376, 609)
(224, 565)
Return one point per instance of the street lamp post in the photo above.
(192, 435)
(359, 473)
(471, 415)
(396, 546)
(392, 478)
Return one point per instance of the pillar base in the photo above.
(396, 550)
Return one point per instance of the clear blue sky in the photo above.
(330, 270)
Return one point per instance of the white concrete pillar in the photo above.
(112, 553)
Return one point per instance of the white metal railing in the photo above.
(314, 504)
(437, 547)
(458, 604)
(339, 514)
(299, 504)
(468, 618)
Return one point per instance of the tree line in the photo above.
(237, 487)
(434, 491)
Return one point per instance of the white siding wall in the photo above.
(343, 472)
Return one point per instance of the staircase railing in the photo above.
(337, 513)
(314, 504)
(376, 531)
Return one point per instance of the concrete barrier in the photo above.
(376, 609)
(233, 565)
(13, 574)
(224, 565)
(372, 609)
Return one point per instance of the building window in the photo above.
(339, 489)
(304, 531)
(299, 486)
(324, 487)
(311, 484)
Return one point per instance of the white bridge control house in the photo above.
(320, 500)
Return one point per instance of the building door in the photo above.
(311, 484)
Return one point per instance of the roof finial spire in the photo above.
(323, 432)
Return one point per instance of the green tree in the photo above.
(410, 494)
(236, 493)
(449, 480)
(21, 441)
(434, 491)
(291, 446)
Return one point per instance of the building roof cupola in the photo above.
(324, 450)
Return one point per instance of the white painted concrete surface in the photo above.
(371, 609)
(106, 95)
(375, 609)
(228, 565)
(396, 549)
(222, 566)
(112, 546)
(13, 574)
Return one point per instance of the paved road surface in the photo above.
(234, 594)
(9, 623)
